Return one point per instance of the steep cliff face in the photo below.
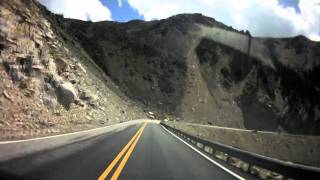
(199, 70)
(187, 67)
(47, 83)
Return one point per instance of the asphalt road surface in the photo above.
(144, 150)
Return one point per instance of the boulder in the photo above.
(61, 65)
(13, 70)
(90, 98)
(66, 94)
(50, 103)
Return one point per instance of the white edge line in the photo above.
(205, 156)
(53, 136)
(65, 134)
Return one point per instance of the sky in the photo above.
(264, 18)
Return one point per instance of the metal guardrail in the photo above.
(287, 169)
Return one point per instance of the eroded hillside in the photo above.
(48, 84)
(188, 67)
(192, 67)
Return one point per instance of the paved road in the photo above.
(138, 151)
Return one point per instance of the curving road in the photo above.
(140, 150)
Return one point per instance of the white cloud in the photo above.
(79, 9)
(119, 3)
(261, 18)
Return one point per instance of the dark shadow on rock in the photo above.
(300, 88)
(258, 115)
(297, 88)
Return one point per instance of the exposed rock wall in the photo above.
(47, 86)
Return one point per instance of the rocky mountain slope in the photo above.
(48, 84)
(195, 68)
(188, 67)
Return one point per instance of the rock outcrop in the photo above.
(42, 71)
(66, 94)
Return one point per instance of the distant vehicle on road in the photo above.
(150, 115)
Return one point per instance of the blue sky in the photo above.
(264, 18)
(123, 12)
(290, 3)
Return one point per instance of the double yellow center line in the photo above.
(131, 145)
